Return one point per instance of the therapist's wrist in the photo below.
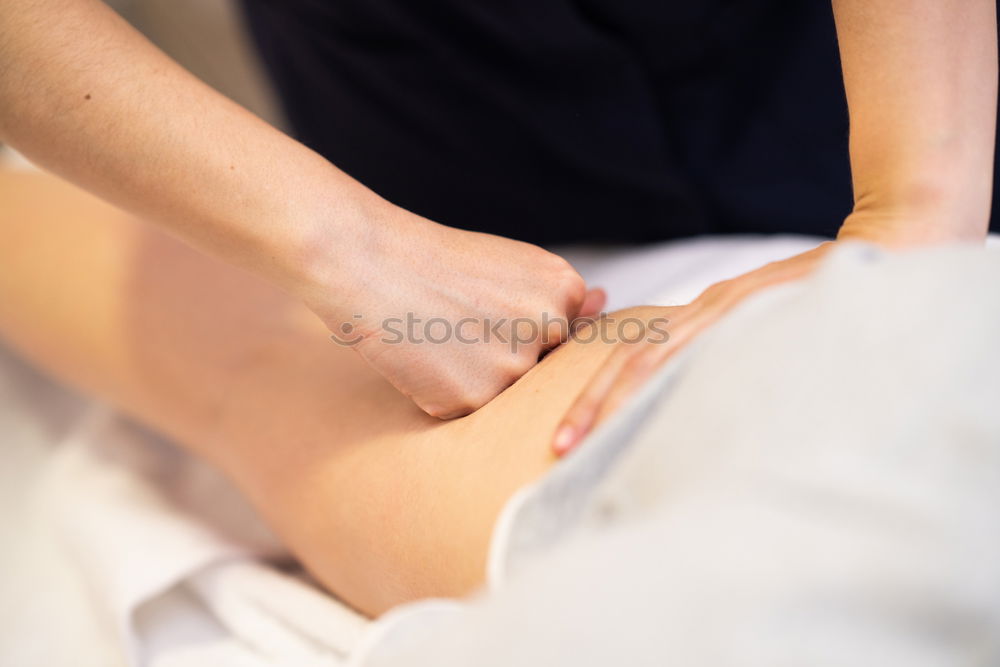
(350, 254)
(918, 213)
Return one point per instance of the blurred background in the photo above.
(208, 37)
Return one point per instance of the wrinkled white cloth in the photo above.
(183, 574)
(144, 521)
(815, 481)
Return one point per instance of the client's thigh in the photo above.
(383, 503)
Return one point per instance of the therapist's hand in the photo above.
(451, 318)
(631, 364)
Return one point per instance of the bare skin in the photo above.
(231, 368)
(85, 95)
(921, 81)
(382, 503)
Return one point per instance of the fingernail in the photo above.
(565, 438)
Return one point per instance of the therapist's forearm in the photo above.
(86, 96)
(921, 80)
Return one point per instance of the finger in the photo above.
(556, 334)
(575, 298)
(560, 330)
(593, 303)
(636, 371)
(581, 415)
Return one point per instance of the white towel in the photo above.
(814, 481)
(184, 574)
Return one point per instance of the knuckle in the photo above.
(576, 291)
(556, 332)
(557, 262)
(572, 282)
(458, 408)
(443, 404)
(483, 396)
(565, 274)
(435, 408)
(512, 369)
(451, 398)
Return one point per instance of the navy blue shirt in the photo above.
(573, 120)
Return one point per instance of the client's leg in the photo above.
(382, 503)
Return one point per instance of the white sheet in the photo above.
(171, 580)
(814, 481)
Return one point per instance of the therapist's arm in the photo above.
(89, 98)
(86, 96)
(921, 79)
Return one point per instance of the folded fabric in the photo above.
(186, 574)
(815, 481)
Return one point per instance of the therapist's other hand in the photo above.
(451, 318)
(631, 364)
